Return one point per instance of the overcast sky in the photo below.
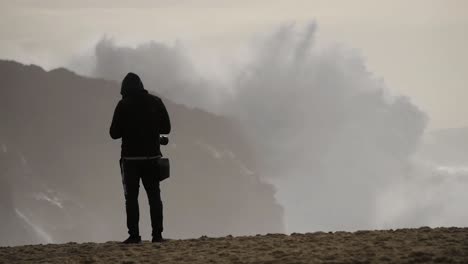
(417, 46)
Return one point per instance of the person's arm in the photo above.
(116, 126)
(165, 126)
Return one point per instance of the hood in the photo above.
(132, 85)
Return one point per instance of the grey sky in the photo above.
(418, 46)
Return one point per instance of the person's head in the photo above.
(131, 84)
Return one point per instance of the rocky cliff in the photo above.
(60, 179)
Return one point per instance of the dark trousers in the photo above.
(132, 172)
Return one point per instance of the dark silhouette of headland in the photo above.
(60, 178)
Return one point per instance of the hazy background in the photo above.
(417, 46)
(338, 98)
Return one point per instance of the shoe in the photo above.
(132, 240)
(157, 239)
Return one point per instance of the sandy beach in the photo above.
(422, 245)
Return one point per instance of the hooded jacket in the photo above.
(139, 119)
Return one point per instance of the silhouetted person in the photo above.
(139, 119)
